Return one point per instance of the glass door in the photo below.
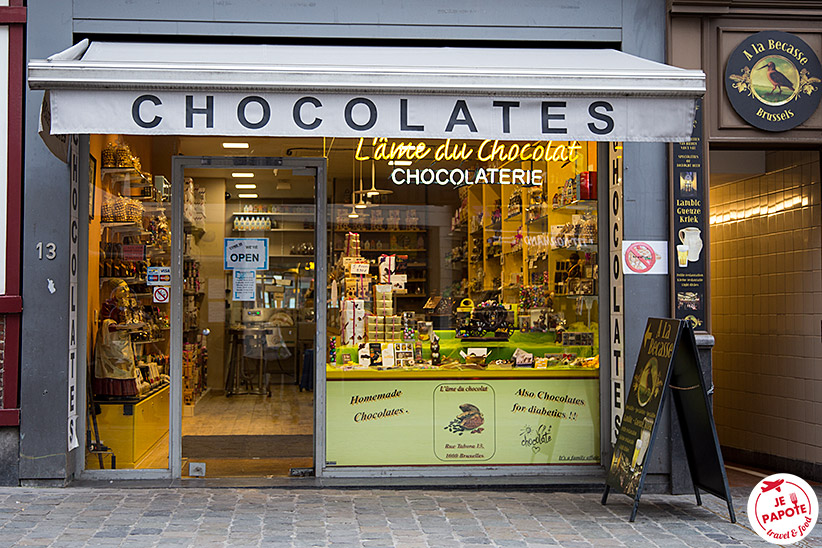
(246, 344)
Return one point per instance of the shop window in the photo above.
(128, 333)
(463, 305)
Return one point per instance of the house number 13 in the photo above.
(51, 250)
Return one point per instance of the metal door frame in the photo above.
(179, 165)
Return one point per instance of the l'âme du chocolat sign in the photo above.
(773, 80)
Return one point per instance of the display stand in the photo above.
(134, 428)
(668, 368)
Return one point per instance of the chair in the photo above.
(307, 376)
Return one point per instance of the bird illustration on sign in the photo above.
(774, 80)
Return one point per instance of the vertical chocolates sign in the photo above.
(689, 228)
(616, 288)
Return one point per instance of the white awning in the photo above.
(219, 89)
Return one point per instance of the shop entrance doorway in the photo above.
(246, 324)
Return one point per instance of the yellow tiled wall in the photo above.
(766, 295)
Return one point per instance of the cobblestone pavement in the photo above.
(204, 518)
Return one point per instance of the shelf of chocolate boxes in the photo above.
(117, 258)
(153, 370)
(120, 167)
(391, 267)
(379, 325)
(578, 192)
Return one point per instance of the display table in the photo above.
(133, 428)
(538, 344)
(533, 343)
(490, 373)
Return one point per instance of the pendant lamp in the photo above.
(354, 214)
(374, 191)
(361, 204)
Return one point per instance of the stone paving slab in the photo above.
(414, 518)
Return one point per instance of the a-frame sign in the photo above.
(668, 367)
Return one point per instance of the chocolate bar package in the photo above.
(375, 354)
(358, 287)
(352, 322)
(387, 265)
(364, 354)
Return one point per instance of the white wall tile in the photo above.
(766, 292)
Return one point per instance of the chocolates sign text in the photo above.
(410, 117)
(361, 114)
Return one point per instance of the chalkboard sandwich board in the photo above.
(667, 367)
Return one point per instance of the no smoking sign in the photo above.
(645, 257)
(162, 294)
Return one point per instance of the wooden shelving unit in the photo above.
(509, 238)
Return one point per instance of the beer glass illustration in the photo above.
(637, 451)
(690, 237)
(682, 255)
(641, 446)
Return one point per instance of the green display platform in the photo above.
(537, 344)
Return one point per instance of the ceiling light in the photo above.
(246, 195)
(353, 214)
(235, 145)
(399, 163)
(242, 174)
(245, 185)
(374, 191)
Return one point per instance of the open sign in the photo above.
(245, 254)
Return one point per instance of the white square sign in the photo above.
(161, 294)
(245, 254)
(648, 257)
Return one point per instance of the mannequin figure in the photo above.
(115, 373)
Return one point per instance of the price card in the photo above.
(360, 269)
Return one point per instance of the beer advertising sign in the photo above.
(773, 80)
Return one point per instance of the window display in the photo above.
(128, 396)
(468, 290)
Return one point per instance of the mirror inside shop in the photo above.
(460, 304)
